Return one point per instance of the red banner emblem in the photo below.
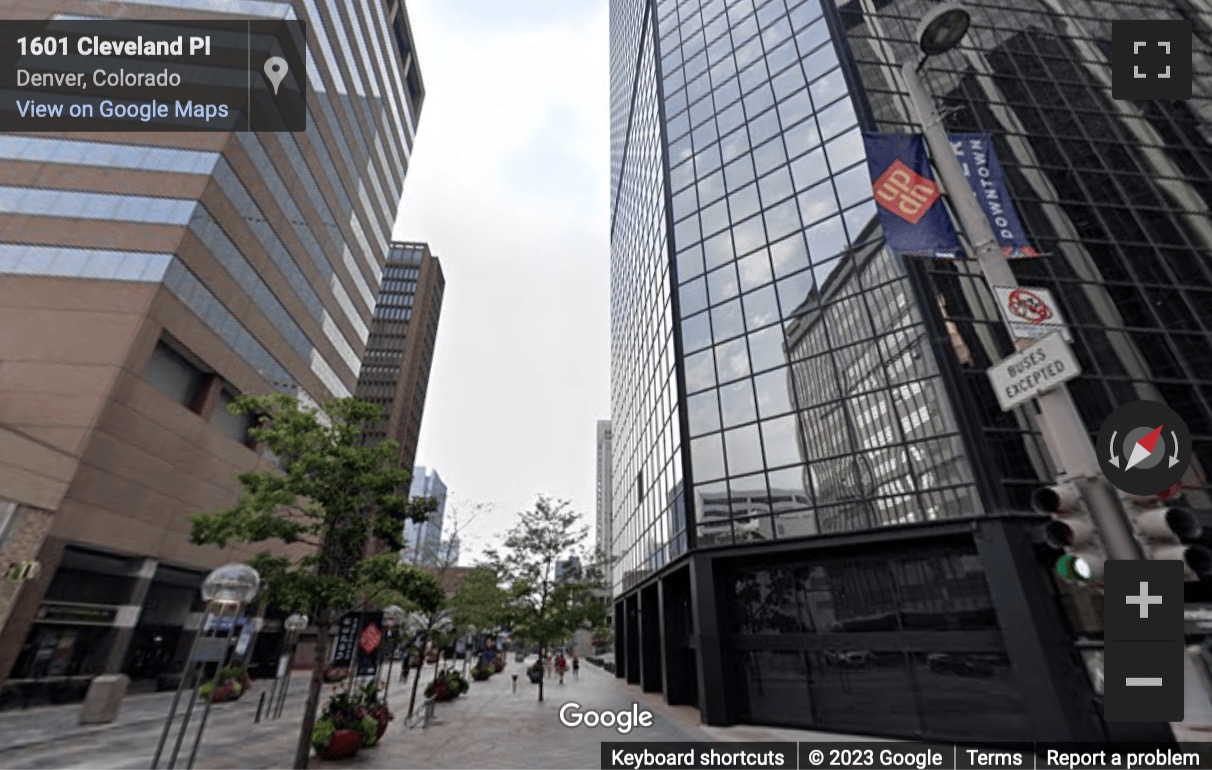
(904, 192)
(371, 637)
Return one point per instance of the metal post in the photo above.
(185, 674)
(193, 754)
(1065, 434)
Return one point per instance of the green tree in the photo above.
(480, 600)
(332, 493)
(542, 608)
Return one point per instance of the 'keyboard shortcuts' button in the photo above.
(1143, 600)
(1143, 681)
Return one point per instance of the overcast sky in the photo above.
(509, 185)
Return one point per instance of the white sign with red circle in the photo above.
(1030, 312)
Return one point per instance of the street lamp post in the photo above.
(293, 625)
(226, 590)
(393, 616)
(468, 643)
(1064, 433)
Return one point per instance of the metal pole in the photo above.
(391, 659)
(185, 672)
(1065, 434)
(193, 753)
(279, 699)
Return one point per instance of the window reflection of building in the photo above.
(868, 396)
(745, 518)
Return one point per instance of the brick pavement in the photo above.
(489, 727)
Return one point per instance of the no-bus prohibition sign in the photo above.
(1030, 312)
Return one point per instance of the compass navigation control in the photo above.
(1144, 448)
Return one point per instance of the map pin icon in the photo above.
(275, 70)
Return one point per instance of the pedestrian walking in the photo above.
(561, 666)
(576, 666)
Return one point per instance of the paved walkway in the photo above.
(489, 727)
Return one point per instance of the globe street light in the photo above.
(227, 589)
(1065, 434)
(231, 584)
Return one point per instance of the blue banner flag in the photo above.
(977, 156)
(911, 211)
(910, 205)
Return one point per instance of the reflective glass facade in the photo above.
(812, 398)
(858, 552)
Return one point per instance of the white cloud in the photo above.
(509, 185)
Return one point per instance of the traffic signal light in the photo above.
(1072, 531)
(1169, 532)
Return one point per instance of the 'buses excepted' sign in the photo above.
(1033, 371)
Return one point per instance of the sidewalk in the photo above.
(51, 737)
(489, 727)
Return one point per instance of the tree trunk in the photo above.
(314, 687)
(542, 669)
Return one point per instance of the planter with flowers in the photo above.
(449, 685)
(344, 727)
(232, 682)
(480, 672)
(498, 663)
(376, 706)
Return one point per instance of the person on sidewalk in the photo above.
(561, 666)
(576, 666)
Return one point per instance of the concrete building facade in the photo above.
(399, 352)
(145, 280)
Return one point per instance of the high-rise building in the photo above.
(815, 409)
(399, 353)
(423, 541)
(145, 280)
(603, 534)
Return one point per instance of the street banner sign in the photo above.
(371, 636)
(1030, 312)
(979, 161)
(347, 638)
(909, 203)
(1035, 370)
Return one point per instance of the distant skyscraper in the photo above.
(821, 513)
(605, 482)
(145, 281)
(399, 353)
(423, 542)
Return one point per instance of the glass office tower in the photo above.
(820, 514)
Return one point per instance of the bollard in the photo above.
(260, 704)
(515, 683)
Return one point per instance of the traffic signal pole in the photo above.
(1065, 434)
